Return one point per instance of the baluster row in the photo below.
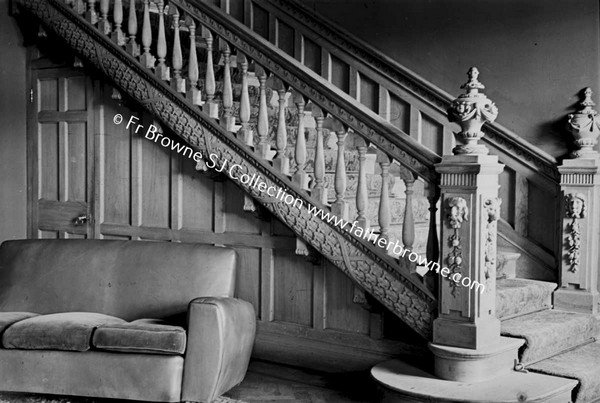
(174, 27)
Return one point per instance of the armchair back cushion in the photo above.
(126, 279)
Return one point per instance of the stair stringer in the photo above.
(366, 264)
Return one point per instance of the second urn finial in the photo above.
(471, 110)
(585, 127)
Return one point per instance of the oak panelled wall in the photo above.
(131, 188)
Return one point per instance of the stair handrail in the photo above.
(379, 63)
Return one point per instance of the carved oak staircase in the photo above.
(335, 110)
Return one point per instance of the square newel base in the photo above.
(584, 301)
(475, 365)
(473, 335)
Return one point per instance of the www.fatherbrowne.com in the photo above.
(255, 182)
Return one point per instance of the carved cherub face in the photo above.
(456, 211)
(492, 207)
(575, 205)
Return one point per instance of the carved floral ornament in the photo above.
(585, 127)
(575, 206)
(456, 212)
(492, 212)
(471, 110)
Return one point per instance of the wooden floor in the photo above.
(272, 383)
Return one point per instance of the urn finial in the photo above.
(471, 110)
(585, 127)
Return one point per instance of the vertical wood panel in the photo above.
(311, 55)
(77, 162)
(285, 37)
(76, 93)
(248, 276)
(238, 220)
(48, 94)
(48, 161)
(292, 288)
(400, 113)
(196, 198)
(155, 176)
(340, 74)
(507, 194)
(341, 312)
(260, 21)
(369, 93)
(432, 135)
(267, 286)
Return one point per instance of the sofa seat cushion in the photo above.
(8, 318)
(141, 336)
(70, 331)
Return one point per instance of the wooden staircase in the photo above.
(338, 128)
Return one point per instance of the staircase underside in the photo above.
(376, 273)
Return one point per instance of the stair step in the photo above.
(506, 264)
(551, 332)
(581, 364)
(517, 296)
(406, 383)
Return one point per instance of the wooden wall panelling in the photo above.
(293, 287)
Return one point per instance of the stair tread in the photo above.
(581, 364)
(551, 332)
(518, 296)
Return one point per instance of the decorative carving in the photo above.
(471, 110)
(585, 127)
(403, 295)
(492, 210)
(457, 212)
(575, 209)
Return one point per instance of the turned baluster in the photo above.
(433, 246)
(211, 106)
(300, 177)
(193, 93)
(384, 199)
(362, 195)
(162, 71)
(132, 47)
(104, 24)
(118, 36)
(263, 148)
(79, 6)
(177, 83)
(228, 120)
(91, 14)
(339, 207)
(408, 226)
(147, 59)
(245, 133)
(281, 161)
(319, 191)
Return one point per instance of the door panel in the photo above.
(61, 154)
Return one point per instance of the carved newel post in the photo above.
(466, 335)
(580, 214)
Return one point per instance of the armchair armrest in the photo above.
(219, 342)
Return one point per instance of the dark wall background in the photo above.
(13, 98)
(534, 55)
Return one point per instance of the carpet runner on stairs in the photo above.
(583, 364)
(551, 332)
(517, 296)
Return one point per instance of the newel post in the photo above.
(466, 334)
(580, 214)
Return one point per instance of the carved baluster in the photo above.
(362, 194)
(104, 24)
(177, 82)
(433, 246)
(319, 191)
(210, 107)
(280, 162)
(132, 47)
(91, 14)
(384, 199)
(162, 71)
(300, 177)
(79, 6)
(147, 59)
(263, 148)
(118, 36)
(228, 120)
(339, 206)
(246, 132)
(193, 93)
(408, 226)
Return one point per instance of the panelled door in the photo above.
(60, 154)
